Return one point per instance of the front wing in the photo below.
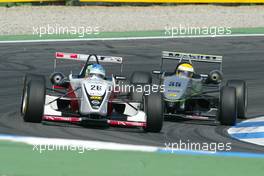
(51, 114)
(88, 121)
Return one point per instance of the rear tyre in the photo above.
(153, 107)
(33, 101)
(241, 94)
(228, 106)
(139, 80)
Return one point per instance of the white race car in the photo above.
(84, 100)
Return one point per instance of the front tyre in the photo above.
(241, 94)
(28, 77)
(228, 106)
(33, 101)
(153, 107)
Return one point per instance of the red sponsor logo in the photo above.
(73, 56)
(59, 55)
(126, 123)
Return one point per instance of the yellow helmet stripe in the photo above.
(186, 67)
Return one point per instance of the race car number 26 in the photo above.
(96, 87)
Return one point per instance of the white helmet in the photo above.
(95, 70)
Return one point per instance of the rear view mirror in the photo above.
(120, 78)
(156, 72)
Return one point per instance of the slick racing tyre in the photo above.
(28, 77)
(241, 94)
(228, 106)
(153, 107)
(33, 101)
(140, 80)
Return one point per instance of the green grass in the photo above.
(20, 160)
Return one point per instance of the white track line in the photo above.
(246, 130)
(250, 131)
(130, 38)
(42, 145)
(96, 145)
(258, 141)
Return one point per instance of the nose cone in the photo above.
(175, 87)
(94, 87)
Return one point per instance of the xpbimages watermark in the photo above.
(41, 148)
(146, 89)
(56, 29)
(197, 146)
(183, 30)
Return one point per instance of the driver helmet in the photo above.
(185, 70)
(95, 70)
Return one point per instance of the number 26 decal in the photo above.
(96, 87)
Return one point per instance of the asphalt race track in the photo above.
(243, 59)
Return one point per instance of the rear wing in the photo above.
(191, 57)
(83, 57)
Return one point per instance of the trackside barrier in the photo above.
(178, 1)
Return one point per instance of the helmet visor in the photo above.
(184, 73)
(96, 75)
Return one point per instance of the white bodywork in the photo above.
(89, 87)
(92, 94)
(85, 87)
